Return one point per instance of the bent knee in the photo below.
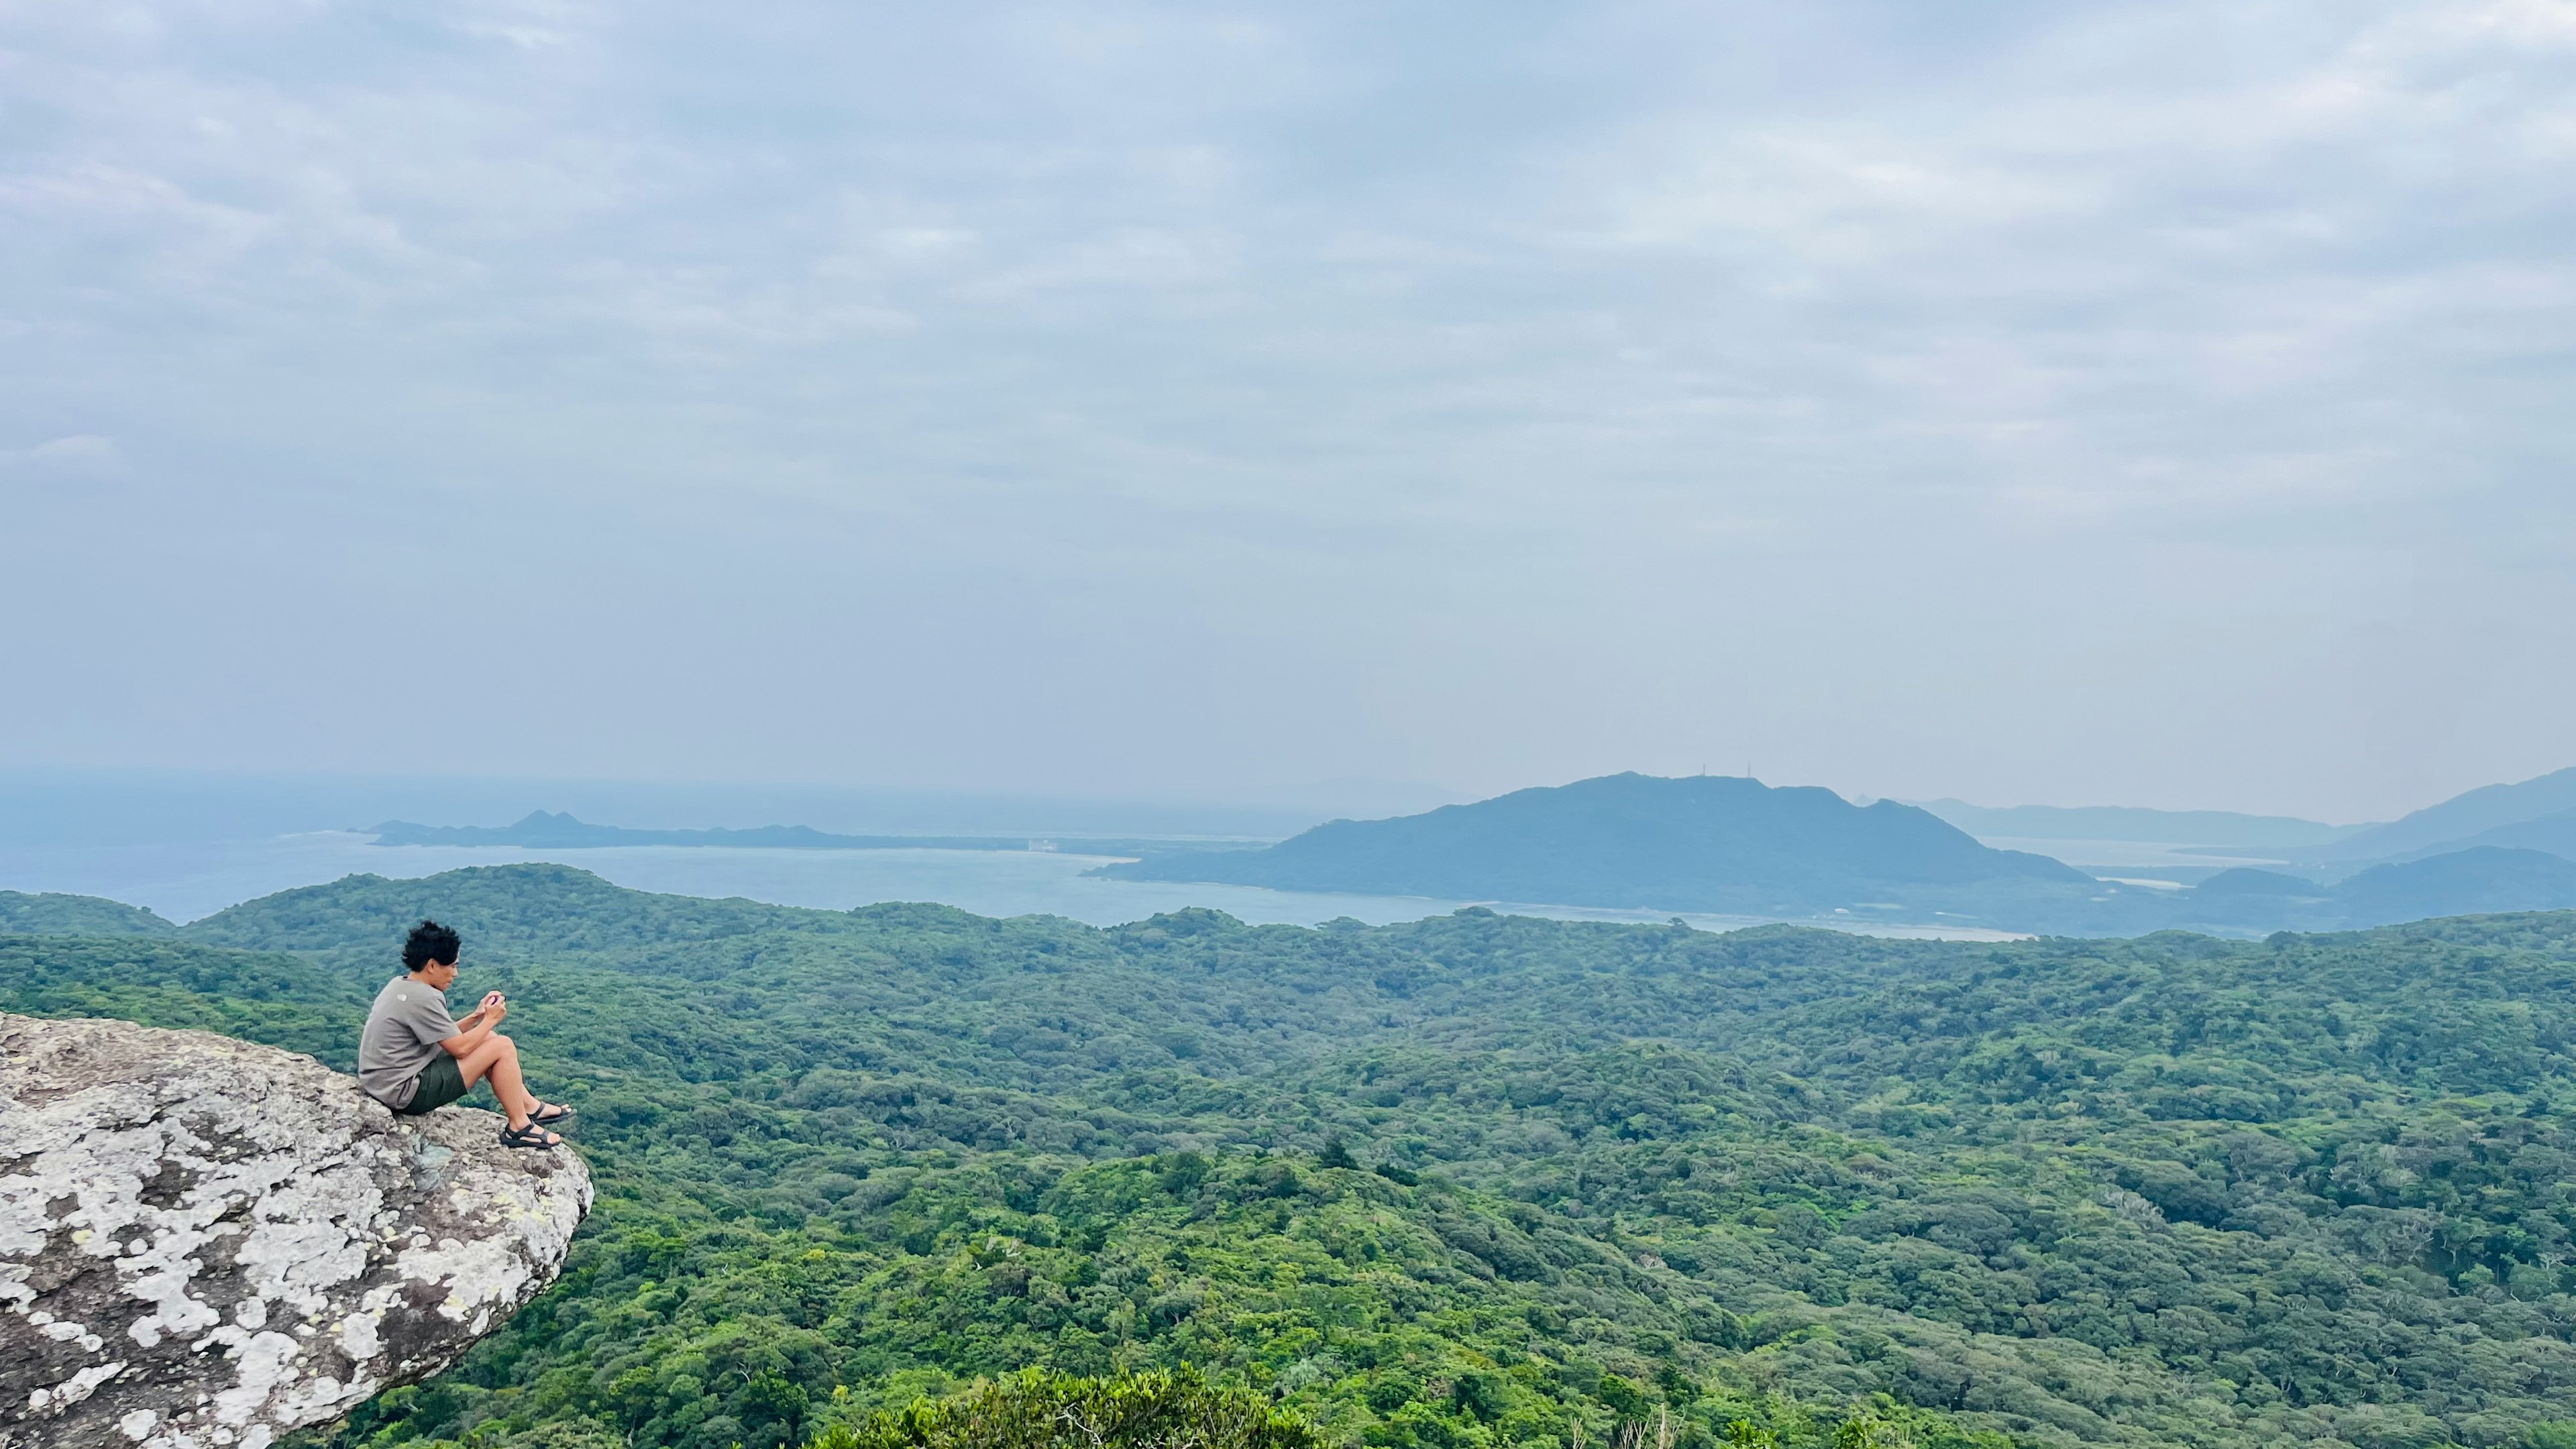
(507, 1045)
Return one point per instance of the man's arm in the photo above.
(475, 1029)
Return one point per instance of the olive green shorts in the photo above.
(438, 1084)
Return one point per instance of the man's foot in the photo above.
(531, 1135)
(547, 1114)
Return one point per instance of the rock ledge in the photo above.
(205, 1243)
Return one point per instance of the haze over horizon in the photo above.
(2095, 405)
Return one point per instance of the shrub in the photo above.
(1039, 1410)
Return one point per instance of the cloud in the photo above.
(1839, 364)
(80, 458)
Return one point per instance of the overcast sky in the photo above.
(2159, 404)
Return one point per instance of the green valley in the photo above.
(1479, 1180)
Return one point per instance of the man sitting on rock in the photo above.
(415, 1059)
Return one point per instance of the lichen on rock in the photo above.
(205, 1243)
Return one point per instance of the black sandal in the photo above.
(531, 1135)
(555, 1112)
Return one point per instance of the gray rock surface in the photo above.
(205, 1243)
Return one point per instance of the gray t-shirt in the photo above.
(404, 1029)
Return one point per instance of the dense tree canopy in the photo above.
(48, 914)
(1476, 1180)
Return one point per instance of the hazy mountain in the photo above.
(2465, 882)
(49, 808)
(2480, 881)
(1716, 843)
(541, 830)
(1361, 797)
(2246, 883)
(2555, 834)
(2458, 821)
(549, 831)
(1713, 842)
(2123, 822)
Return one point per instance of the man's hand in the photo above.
(477, 1025)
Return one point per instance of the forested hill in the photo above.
(49, 914)
(1703, 843)
(1462, 1182)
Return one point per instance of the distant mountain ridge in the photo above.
(2534, 814)
(1735, 846)
(2554, 833)
(2129, 822)
(546, 830)
(2479, 881)
(1719, 845)
(2240, 902)
(1710, 842)
(541, 830)
(2474, 817)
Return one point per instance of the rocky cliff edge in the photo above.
(205, 1243)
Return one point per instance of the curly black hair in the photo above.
(429, 941)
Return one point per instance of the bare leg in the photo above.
(498, 1058)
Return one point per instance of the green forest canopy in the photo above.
(50, 914)
(1469, 1181)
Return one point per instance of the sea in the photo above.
(186, 881)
